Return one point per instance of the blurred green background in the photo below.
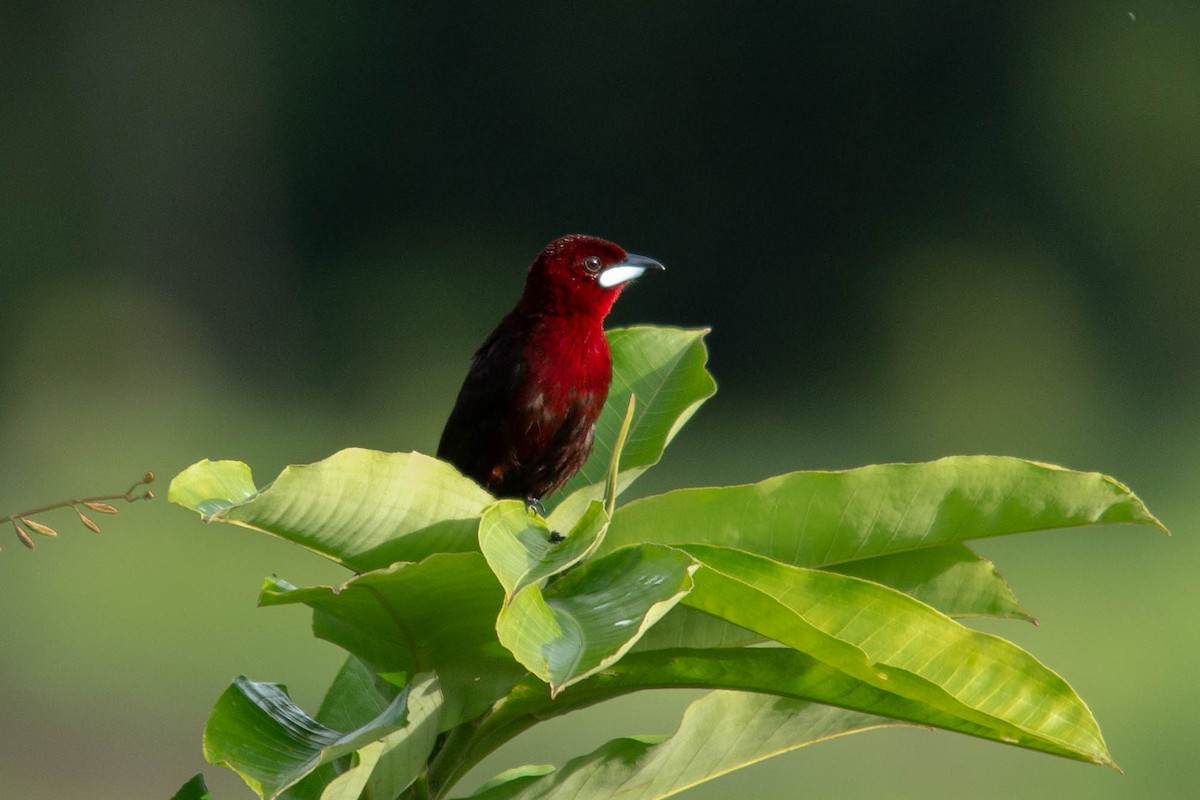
(267, 231)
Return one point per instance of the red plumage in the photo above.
(525, 417)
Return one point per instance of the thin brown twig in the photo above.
(130, 495)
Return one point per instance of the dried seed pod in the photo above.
(148, 477)
(24, 536)
(103, 508)
(90, 523)
(37, 527)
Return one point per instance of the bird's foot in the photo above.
(534, 504)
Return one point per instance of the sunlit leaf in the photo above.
(665, 368)
(951, 578)
(361, 508)
(815, 519)
(770, 670)
(719, 733)
(520, 547)
(590, 617)
(208, 487)
(893, 642)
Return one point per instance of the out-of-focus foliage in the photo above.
(270, 231)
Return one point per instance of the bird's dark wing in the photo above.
(478, 425)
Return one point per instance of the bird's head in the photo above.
(582, 274)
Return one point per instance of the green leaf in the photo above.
(665, 368)
(361, 508)
(769, 670)
(612, 479)
(816, 519)
(518, 546)
(590, 617)
(257, 731)
(355, 696)
(194, 789)
(438, 614)
(951, 578)
(890, 641)
(517, 773)
(719, 733)
(208, 487)
(387, 767)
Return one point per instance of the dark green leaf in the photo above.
(194, 789)
(257, 731)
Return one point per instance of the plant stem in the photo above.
(128, 496)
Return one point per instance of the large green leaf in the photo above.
(257, 731)
(815, 519)
(590, 617)
(438, 614)
(521, 549)
(664, 367)
(361, 508)
(890, 641)
(770, 670)
(951, 578)
(719, 733)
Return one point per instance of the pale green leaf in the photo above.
(519, 548)
(769, 670)
(951, 578)
(816, 519)
(719, 733)
(208, 487)
(361, 508)
(590, 617)
(893, 642)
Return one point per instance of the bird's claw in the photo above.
(534, 504)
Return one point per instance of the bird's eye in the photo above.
(592, 264)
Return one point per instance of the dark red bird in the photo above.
(525, 417)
